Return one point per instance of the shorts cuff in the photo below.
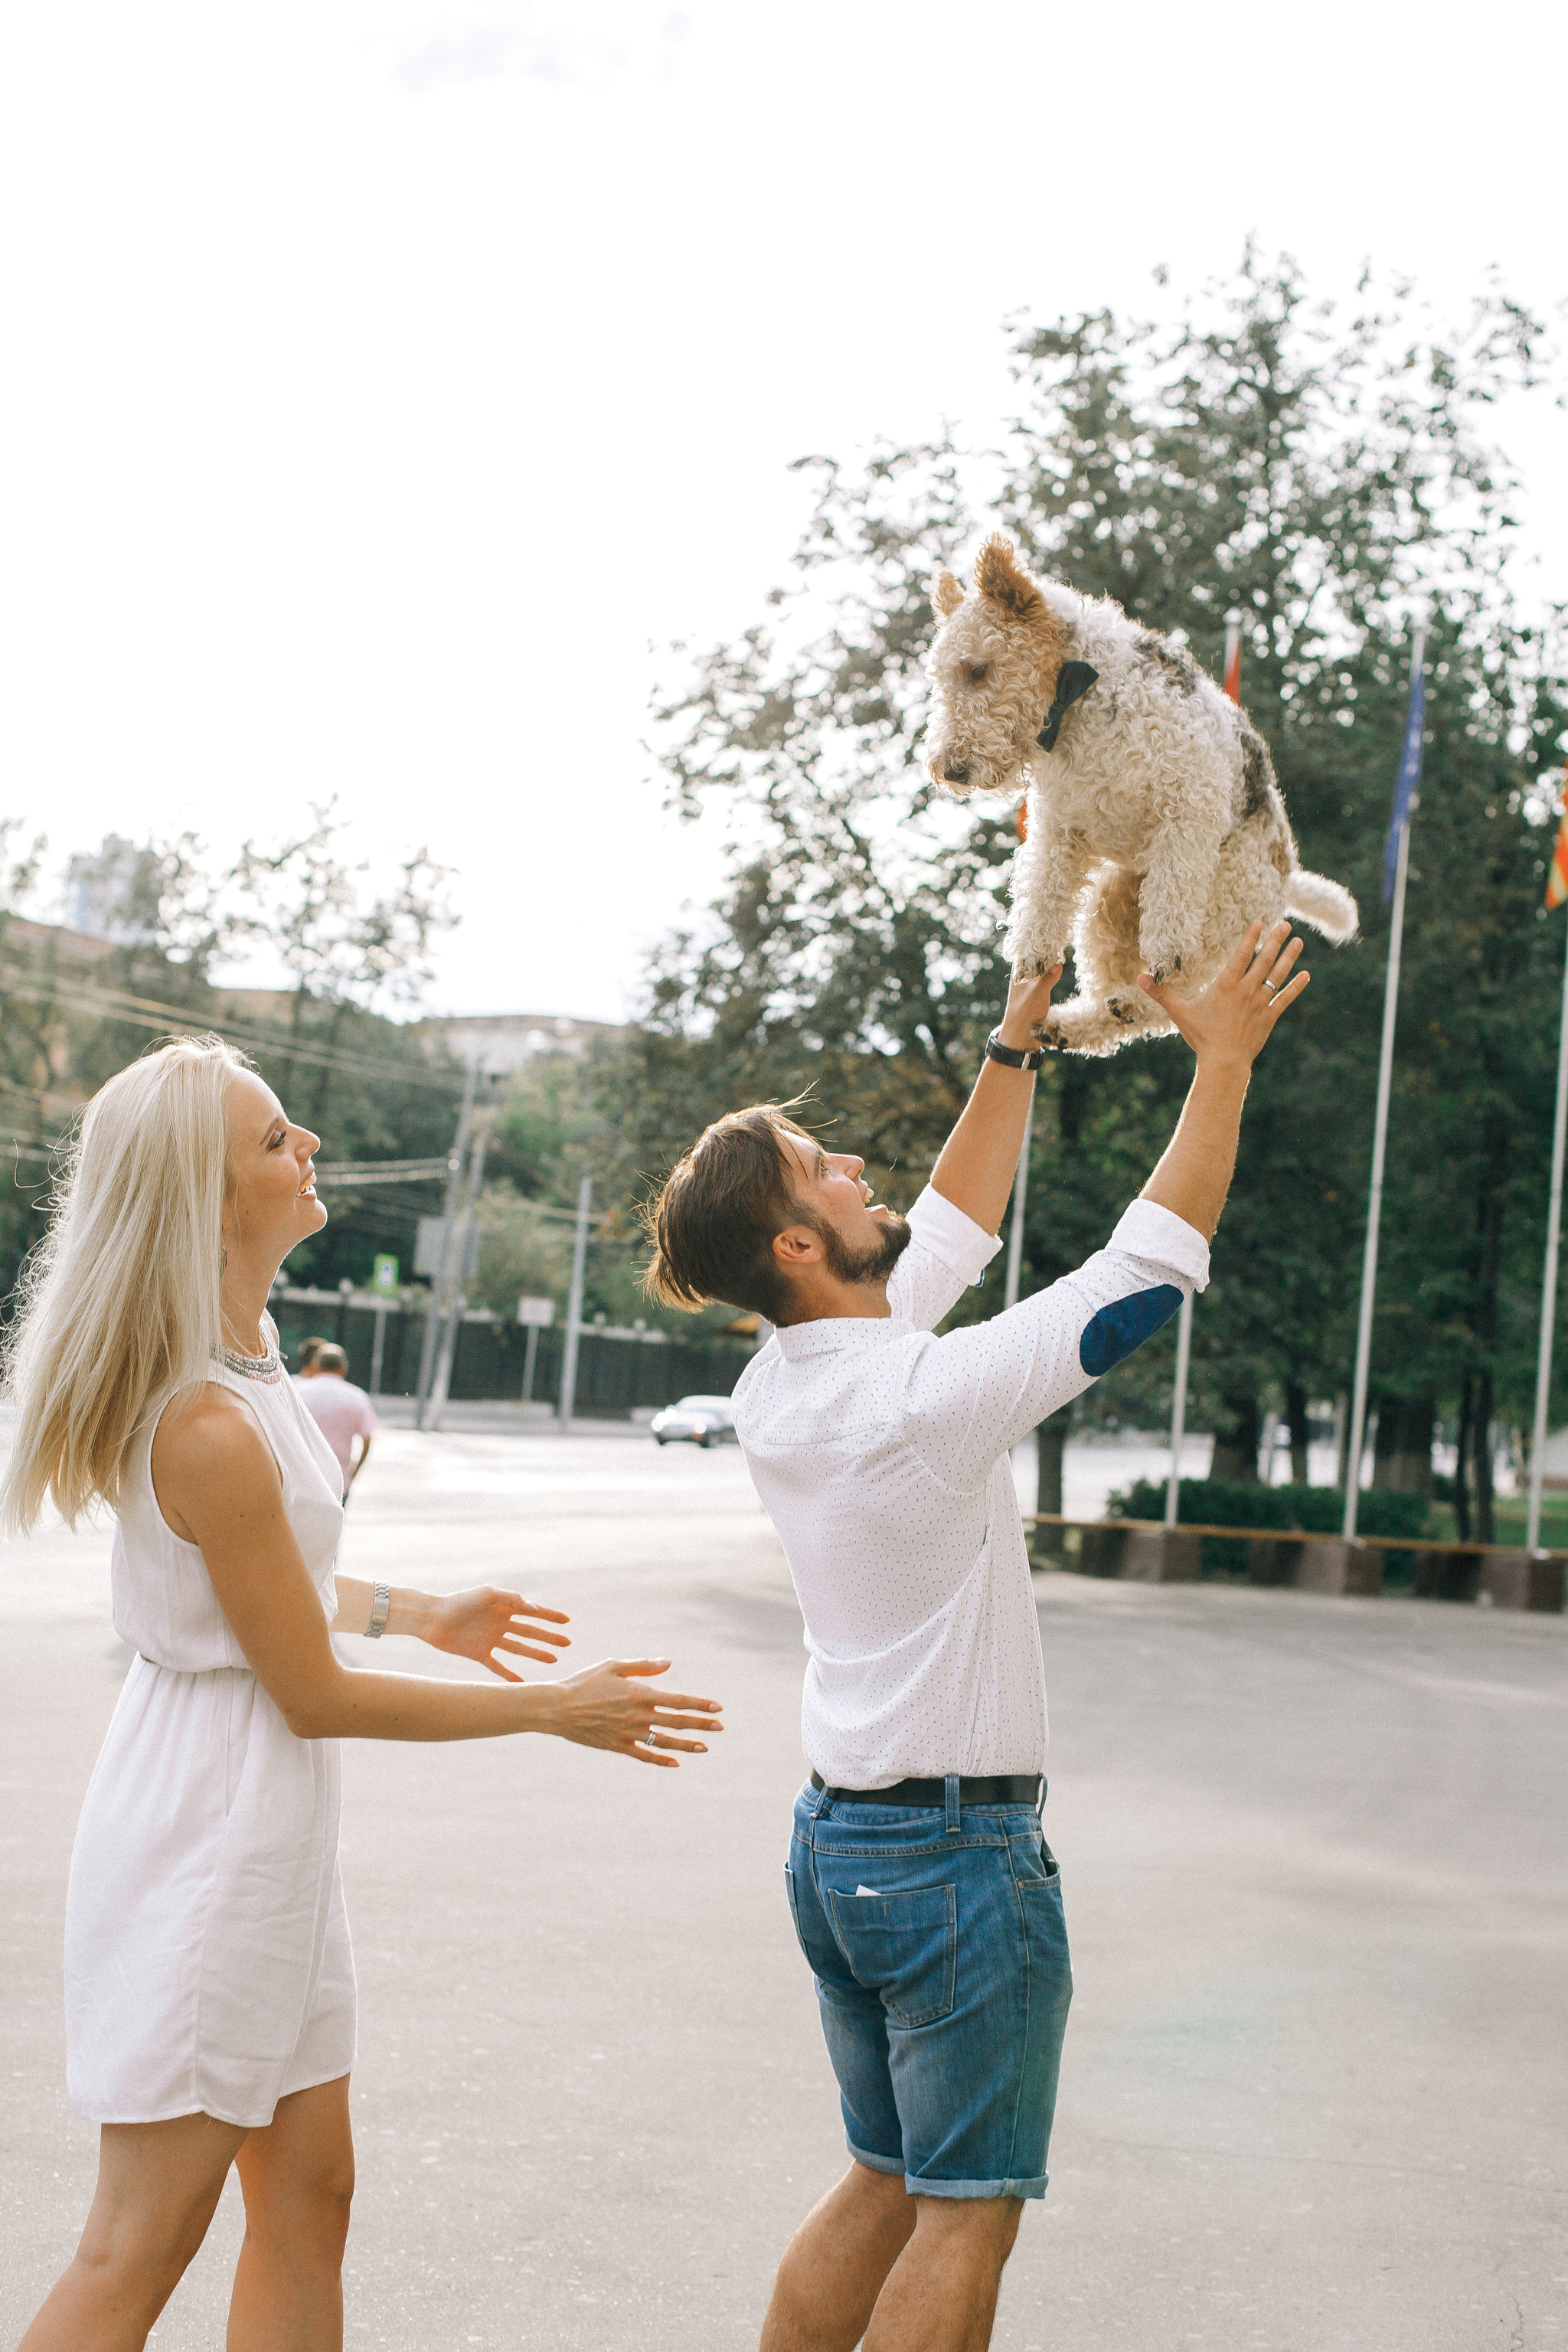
(918, 2187)
(874, 2163)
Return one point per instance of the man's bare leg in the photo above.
(835, 2266)
(940, 2295)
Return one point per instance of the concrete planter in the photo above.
(1513, 1579)
(1055, 1548)
(1274, 1560)
(1446, 1575)
(1100, 1551)
(1338, 1568)
(1160, 1555)
(1500, 1576)
(1144, 1555)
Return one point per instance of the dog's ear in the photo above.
(999, 576)
(947, 596)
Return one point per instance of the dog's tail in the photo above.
(1326, 906)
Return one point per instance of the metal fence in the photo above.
(618, 1371)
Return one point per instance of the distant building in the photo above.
(502, 1043)
(112, 892)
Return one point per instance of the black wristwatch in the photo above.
(1009, 1055)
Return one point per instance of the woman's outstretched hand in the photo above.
(477, 1624)
(609, 1705)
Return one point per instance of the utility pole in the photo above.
(453, 1321)
(437, 1308)
(575, 1305)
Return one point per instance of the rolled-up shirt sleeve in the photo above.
(948, 1253)
(974, 1393)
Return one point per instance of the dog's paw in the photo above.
(1034, 967)
(1167, 969)
(1103, 1025)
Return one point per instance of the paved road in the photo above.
(1313, 2097)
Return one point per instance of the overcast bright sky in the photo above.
(382, 379)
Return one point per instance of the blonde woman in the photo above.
(209, 1979)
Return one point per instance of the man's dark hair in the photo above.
(713, 1220)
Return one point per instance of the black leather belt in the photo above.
(979, 1788)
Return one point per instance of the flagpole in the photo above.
(1549, 1279)
(1379, 1139)
(1179, 1408)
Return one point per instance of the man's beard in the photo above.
(876, 1262)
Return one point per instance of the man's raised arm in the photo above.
(1227, 1028)
(979, 1159)
(976, 1392)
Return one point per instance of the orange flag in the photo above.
(1557, 872)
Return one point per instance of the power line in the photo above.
(147, 1013)
(380, 1171)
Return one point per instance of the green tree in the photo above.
(559, 1119)
(303, 897)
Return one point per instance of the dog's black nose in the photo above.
(955, 771)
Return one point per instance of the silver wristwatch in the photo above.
(380, 1611)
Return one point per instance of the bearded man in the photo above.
(923, 1895)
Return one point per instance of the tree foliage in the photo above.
(73, 1012)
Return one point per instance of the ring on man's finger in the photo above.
(1272, 986)
(653, 1740)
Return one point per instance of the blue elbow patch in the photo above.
(1117, 1331)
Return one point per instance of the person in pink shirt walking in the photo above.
(340, 1411)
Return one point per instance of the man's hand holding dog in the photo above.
(1028, 1002)
(1233, 1018)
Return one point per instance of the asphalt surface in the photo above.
(1314, 2093)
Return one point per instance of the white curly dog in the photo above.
(1155, 829)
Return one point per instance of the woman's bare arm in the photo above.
(218, 1487)
(472, 1624)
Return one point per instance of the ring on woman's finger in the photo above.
(652, 1739)
(1272, 986)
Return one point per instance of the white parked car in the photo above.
(697, 1420)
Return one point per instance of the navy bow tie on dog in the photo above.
(1076, 679)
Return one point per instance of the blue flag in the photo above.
(1409, 775)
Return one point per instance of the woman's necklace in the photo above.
(255, 1367)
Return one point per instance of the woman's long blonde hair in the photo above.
(120, 1302)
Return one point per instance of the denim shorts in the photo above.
(940, 1951)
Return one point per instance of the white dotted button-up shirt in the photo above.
(880, 1453)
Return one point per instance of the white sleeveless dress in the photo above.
(209, 1967)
